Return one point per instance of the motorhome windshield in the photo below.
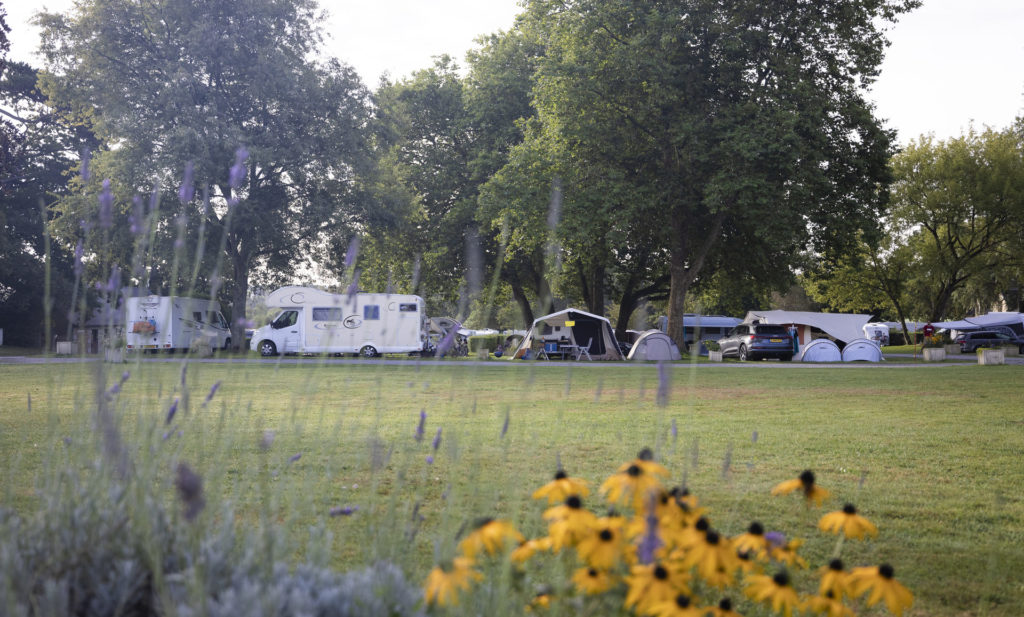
(285, 319)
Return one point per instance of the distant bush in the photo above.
(489, 342)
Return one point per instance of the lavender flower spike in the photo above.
(84, 171)
(190, 489)
(106, 206)
(294, 457)
(504, 427)
(237, 174)
(170, 412)
(213, 390)
(650, 541)
(187, 190)
(437, 439)
(343, 511)
(418, 436)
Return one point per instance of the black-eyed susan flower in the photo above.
(528, 548)
(654, 583)
(592, 581)
(540, 601)
(569, 523)
(775, 590)
(748, 562)
(445, 581)
(561, 488)
(786, 553)
(634, 481)
(849, 522)
(680, 606)
(829, 605)
(723, 609)
(880, 581)
(804, 482)
(834, 578)
(605, 545)
(490, 536)
(714, 558)
(688, 535)
(753, 540)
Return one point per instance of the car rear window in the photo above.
(770, 330)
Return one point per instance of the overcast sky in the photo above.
(951, 61)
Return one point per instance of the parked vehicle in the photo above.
(757, 341)
(971, 341)
(174, 323)
(315, 321)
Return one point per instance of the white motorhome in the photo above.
(315, 321)
(174, 323)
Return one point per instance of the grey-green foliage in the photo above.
(102, 547)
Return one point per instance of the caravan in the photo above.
(315, 321)
(174, 323)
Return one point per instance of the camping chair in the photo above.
(584, 350)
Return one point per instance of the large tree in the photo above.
(745, 122)
(233, 87)
(961, 202)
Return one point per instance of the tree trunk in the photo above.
(524, 303)
(678, 286)
(240, 289)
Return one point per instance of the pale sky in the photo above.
(952, 62)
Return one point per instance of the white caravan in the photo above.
(172, 322)
(315, 321)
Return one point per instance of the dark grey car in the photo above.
(757, 341)
(971, 341)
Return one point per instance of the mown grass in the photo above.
(930, 455)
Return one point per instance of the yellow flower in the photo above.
(805, 482)
(634, 481)
(828, 605)
(724, 609)
(680, 606)
(605, 545)
(491, 536)
(541, 600)
(834, 579)
(849, 522)
(592, 581)
(714, 557)
(775, 590)
(880, 582)
(786, 553)
(526, 549)
(651, 584)
(752, 541)
(569, 523)
(446, 580)
(561, 488)
(688, 535)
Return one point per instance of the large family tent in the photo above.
(1013, 321)
(654, 345)
(862, 350)
(821, 350)
(572, 327)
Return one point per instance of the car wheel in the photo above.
(268, 348)
(785, 358)
(368, 351)
(227, 344)
(743, 353)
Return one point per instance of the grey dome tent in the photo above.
(821, 350)
(573, 327)
(654, 345)
(862, 349)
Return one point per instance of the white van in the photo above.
(315, 321)
(174, 323)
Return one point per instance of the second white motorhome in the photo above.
(315, 321)
(174, 323)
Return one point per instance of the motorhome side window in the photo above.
(285, 319)
(371, 311)
(407, 307)
(197, 316)
(328, 314)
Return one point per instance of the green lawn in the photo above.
(932, 455)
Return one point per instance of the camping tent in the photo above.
(843, 327)
(821, 350)
(574, 327)
(1015, 321)
(654, 345)
(862, 350)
